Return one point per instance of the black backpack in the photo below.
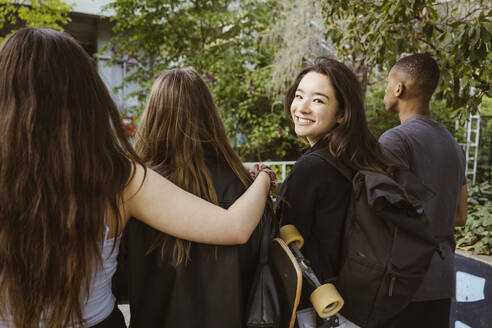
(387, 244)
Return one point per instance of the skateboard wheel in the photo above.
(289, 234)
(326, 300)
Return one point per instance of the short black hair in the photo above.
(421, 68)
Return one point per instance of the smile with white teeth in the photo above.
(304, 120)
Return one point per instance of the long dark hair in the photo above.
(64, 163)
(350, 141)
(180, 120)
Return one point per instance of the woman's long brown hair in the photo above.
(350, 141)
(180, 120)
(64, 162)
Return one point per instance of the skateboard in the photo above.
(325, 298)
(288, 275)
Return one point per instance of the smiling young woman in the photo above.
(325, 106)
(314, 107)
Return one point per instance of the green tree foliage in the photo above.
(299, 32)
(378, 119)
(222, 40)
(372, 35)
(476, 235)
(33, 13)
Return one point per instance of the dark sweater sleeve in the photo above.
(315, 198)
(297, 198)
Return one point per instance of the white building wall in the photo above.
(90, 7)
(112, 76)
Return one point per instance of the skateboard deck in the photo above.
(288, 275)
(325, 298)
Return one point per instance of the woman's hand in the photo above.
(257, 168)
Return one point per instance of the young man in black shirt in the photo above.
(426, 148)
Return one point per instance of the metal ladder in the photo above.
(472, 137)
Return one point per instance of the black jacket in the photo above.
(315, 198)
(207, 292)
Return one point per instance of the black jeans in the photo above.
(426, 314)
(114, 320)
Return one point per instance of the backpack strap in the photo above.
(324, 153)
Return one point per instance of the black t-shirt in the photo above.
(315, 198)
(429, 151)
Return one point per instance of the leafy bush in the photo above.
(378, 119)
(476, 235)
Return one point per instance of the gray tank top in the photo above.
(100, 302)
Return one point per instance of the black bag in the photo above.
(263, 309)
(387, 245)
